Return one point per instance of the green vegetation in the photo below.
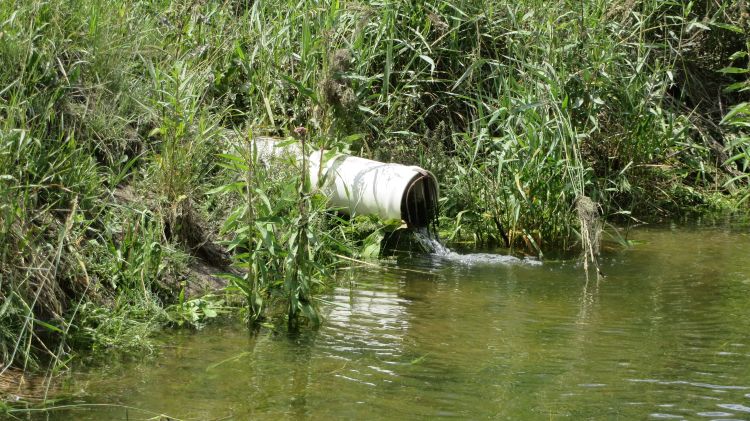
(126, 134)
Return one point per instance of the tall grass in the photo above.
(282, 244)
(520, 107)
(114, 119)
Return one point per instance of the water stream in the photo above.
(666, 335)
(430, 241)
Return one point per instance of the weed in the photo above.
(518, 107)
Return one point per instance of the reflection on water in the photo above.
(665, 335)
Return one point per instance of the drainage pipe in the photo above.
(359, 186)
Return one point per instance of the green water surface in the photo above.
(666, 335)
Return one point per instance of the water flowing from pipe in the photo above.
(430, 241)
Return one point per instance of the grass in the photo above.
(126, 141)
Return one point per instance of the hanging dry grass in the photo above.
(588, 213)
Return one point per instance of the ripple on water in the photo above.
(696, 384)
(661, 415)
(713, 414)
(734, 407)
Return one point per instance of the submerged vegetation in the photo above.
(127, 166)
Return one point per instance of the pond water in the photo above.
(666, 335)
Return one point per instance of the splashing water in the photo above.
(431, 243)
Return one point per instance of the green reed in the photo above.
(114, 119)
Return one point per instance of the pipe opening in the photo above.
(419, 203)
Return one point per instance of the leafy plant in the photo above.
(195, 312)
(273, 230)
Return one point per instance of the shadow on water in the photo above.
(664, 335)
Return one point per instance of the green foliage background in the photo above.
(518, 107)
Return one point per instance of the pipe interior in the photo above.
(419, 204)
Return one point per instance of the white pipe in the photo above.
(361, 186)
